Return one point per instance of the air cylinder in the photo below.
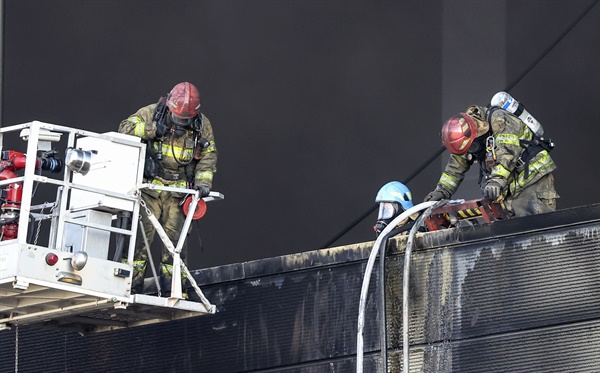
(508, 103)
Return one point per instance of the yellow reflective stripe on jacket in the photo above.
(210, 148)
(167, 269)
(535, 168)
(449, 181)
(507, 139)
(500, 170)
(139, 264)
(181, 153)
(177, 184)
(140, 126)
(204, 175)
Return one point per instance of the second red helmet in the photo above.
(458, 133)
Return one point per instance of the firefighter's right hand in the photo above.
(493, 189)
(203, 189)
(436, 195)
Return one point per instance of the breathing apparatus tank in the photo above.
(508, 103)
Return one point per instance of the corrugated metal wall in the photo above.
(488, 299)
(512, 296)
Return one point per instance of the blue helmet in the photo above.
(395, 191)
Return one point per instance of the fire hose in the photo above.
(366, 279)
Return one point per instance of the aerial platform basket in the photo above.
(61, 262)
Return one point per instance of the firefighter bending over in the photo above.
(181, 153)
(515, 164)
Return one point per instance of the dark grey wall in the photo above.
(315, 104)
(563, 90)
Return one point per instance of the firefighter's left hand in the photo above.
(203, 189)
(493, 189)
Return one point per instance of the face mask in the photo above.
(181, 121)
(476, 146)
(387, 212)
(380, 225)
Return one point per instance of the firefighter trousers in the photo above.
(535, 199)
(167, 210)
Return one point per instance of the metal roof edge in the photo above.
(360, 251)
(283, 263)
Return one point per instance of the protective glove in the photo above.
(203, 189)
(437, 195)
(161, 129)
(493, 189)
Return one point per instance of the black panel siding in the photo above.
(518, 296)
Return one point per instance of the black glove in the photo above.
(492, 189)
(203, 189)
(161, 129)
(437, 195)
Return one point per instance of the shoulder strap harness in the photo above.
(532, 147)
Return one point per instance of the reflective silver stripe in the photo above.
(140, 126)
(182, 154)
(167, 269)
(500, 170)
(139, 263)
(211, 148)
(507, 138)
(204, 175)
(179, 184)
(449, 181)
(539, 166)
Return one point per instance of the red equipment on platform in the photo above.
(11, 196)
(449, 215)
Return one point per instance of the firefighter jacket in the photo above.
(511, 137)
(176, 152)
(406, 225)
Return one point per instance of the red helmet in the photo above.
(458, 133)
(184, 103)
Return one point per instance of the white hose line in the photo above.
(367, 277)
(405, 281)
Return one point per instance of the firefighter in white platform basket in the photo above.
(181, 153)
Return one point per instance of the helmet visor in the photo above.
(180, 120)
(387, 210)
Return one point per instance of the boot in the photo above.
(137, 287)
(165, 280)
(137, 280)
(165, 285)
